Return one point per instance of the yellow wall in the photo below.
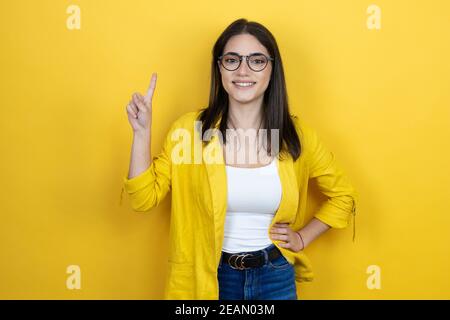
(379, 98)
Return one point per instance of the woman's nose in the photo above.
(243, 68)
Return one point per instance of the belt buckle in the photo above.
(236, 266)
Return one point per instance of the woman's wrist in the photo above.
(142, 134)
(302, 242)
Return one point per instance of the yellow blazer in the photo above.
(199, 203)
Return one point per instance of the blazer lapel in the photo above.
(290, 193)
(217, 182)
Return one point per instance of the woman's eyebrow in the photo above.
(231, 52)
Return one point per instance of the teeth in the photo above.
(244, 84)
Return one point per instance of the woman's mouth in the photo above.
(243, 84)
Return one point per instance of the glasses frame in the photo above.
(247, 57)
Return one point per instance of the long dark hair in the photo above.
(275, 103)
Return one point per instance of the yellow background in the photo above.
(379, 99)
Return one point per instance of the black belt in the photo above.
(243, 261)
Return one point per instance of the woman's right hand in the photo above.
(139, 109)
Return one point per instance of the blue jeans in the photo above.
(274, 280)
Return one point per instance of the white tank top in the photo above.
(253, 197)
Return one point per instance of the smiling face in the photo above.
(245, 44)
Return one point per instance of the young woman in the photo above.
(238, 173)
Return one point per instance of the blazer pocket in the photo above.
(180, 283)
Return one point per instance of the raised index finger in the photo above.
(149, 95)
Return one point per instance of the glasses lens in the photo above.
(230, 61)
(257, 62)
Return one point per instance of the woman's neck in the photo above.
(245, 116)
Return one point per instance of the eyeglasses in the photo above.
(255, 61)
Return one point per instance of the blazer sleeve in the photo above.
(340, 206)
(150, 187)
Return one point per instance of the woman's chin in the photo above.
(242, 98)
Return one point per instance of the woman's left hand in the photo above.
(289, 238)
